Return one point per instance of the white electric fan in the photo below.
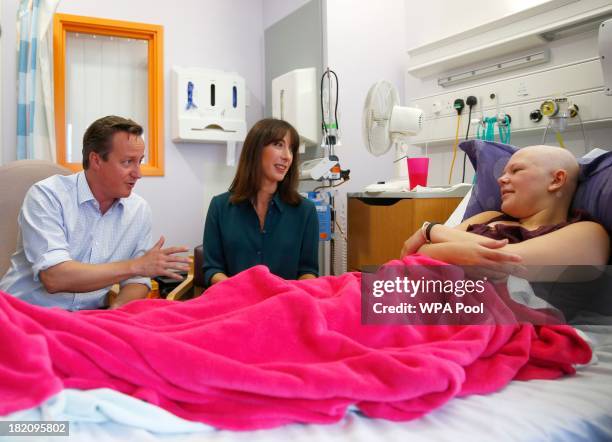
(386, 124)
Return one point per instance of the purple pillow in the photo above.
(594, 192)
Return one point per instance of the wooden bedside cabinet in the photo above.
(378, 226)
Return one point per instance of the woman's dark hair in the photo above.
(248, 176)
(99, 135)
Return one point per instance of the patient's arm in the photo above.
(440, 234)
(129, 292)
(547, 257)
(471, 253)
(478, 260)
(480, 218)
(581, 243)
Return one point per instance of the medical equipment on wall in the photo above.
(320, 169)
(328, 167)
(471, 101)
(559, 111)
(386, 124)
(605, 54)
(487, 125)
(520, 96)
(208, 106)
(331, 130)
(458, 105)
(327, 170)
(294, 99)
(329, 118)
(332, 237)
(322, 201)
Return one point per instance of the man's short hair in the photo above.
(99, 135)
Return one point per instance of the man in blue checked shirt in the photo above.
(82, 233)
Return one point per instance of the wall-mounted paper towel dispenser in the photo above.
(208, 105)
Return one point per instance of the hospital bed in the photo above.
(574, 408)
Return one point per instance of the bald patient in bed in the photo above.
(535, 225)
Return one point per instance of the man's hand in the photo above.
(162, 262)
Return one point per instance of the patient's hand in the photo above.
(413, 244)
(443, 234)
(487, 257)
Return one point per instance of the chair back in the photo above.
(198, 262)
(16, 178)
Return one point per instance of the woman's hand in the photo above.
(218, 277)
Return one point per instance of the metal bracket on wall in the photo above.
(530, 59)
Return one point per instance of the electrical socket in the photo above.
(436, 107)
(490, 99)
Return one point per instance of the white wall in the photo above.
(206, 33)
(437, 19)
(365, 44)
(275, 10)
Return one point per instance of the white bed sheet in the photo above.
(577, 408)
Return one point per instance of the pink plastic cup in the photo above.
(417, 171)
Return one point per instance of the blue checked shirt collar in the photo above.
(84, 193)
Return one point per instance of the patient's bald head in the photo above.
(536, 177)
(553, 158)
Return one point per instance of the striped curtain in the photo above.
(35, 119)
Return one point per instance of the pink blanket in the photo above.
(257, 351)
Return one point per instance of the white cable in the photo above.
(433, 121)
(545, 132)
(583, 133)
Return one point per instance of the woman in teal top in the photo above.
(263, 219)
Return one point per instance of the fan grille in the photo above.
(380, 100)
